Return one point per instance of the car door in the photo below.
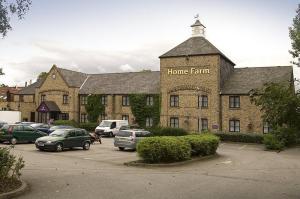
(69, 141)
(30, 134)
(80, 138)
(19, 133)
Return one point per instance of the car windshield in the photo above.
(36, 125)
(105, 124)
(5, 127)
(59, 133)
(124, 133)
(60, 127)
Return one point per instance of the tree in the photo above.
(42, 75)
(279, 103)
(295, 36)
(10, 8)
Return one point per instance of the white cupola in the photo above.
(198, 29)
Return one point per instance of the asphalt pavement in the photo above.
(239, 171)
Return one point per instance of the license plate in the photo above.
(41, 144)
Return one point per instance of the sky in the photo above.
(98, 36)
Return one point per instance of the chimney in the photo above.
(25, 84)
(30, 82)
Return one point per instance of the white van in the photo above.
(110, 127)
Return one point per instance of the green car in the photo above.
(64, 138)
(15, 133)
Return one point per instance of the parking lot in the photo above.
(239, 171)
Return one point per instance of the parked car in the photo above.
(53, 128)
(110, 127)
(15, 133)
(64, 138)
(41, 127)
(26, 123)
(129, 138)
(2, 124)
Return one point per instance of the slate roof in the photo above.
(122, 83)
(194, 46)
(30, 90)
(52, 106)
(244, 79)
(73, 78)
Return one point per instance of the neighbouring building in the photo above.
(200, 89)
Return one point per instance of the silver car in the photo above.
(129, 138)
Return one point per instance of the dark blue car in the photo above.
(41, 127)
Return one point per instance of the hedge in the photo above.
(167, 131)
(241, 137)
(163, 149)
(90, 126)
(174, 149)
(66, 122)
(203, 144)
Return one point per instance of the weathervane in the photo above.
(196, 16)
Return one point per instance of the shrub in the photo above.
(66, 122)
(241, 137)
(287, 135)
(90, 126)
(163, 149)
(272, 142)
(167, 131)
(10, 168)
(202, 144)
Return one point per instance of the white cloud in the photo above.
(126, 68)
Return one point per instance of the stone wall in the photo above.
(248, 114)
(189, 86)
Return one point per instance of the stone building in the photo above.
(200, 89)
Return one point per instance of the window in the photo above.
(174, 100)
(204, 124)
(65, 99)
(43, 98)
(104, 100)
(149, 122)
(83, 100)
(125, 100)
(64, 116)
(174, 122)
(28, 128)
(234, 101)
(149, 101)
(266, 128)
(125, 117)
(21, 98)
(203, 101)
(83, 118)
(80, 133)
(234, 125)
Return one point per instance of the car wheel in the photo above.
(13, 141)
(59, 147)
(121, 148)
(86, 146)
(111, 134)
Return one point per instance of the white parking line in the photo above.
(242, 147)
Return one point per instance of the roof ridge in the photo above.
(125, 72)
(262, 67)
(71, 70)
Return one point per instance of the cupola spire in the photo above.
(198, 29)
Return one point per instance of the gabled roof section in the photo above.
(122, 83)
(194, 46)
(48, 106)
(72, 78)
(244, 80)
(30, 90)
